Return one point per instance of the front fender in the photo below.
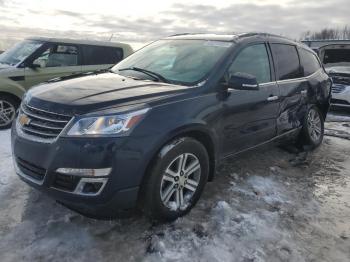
(11, 87)
(190, 129)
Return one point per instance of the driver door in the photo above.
(250, 115)
(56, 60)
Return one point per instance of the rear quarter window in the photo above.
(100, 55)
(287, 61)
(309, 62)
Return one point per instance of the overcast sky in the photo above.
(138, 22)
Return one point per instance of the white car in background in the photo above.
(335, 56)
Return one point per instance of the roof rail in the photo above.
(262, 34)
(184, 34)
(238, 35)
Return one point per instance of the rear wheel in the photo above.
(313, 128)
(8, 107)
(176, 180)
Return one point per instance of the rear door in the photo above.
(100, 57)
(56, 60)
(292, 84)
(250, 115)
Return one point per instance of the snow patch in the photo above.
(172, 206)
(235, 176)
(6, 166)
(268, 189)
(222, 212)
(331, 117)
(263, 188)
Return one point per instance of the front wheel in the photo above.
(313, 128)
(176, 179)
(8, 107)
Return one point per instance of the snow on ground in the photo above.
(5, 157)
(338, 129)
(339, 116)
(266, 205)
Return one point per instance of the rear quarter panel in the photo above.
(319, 90)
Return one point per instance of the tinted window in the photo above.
(100, 55)
(253, 60)
(309, 62)
(337, 57)
(287, 61)
(58, 55)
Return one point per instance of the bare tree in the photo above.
(328, 33)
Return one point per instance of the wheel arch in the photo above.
(197, 132)
(18, 99)
(207, 141)
(324, 108)
(200, 133)
(12, 89)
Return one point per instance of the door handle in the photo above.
(272, 98)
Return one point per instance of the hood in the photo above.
(338, 70)
(96, 92)
(4, 66)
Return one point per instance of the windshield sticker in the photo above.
(218, 43)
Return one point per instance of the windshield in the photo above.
(177, 61)
(337, 57)
(19, 52)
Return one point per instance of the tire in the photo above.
(313, 129)
(161, 198)
(8, 108)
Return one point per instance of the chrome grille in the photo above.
(338, 88)
(43, 124)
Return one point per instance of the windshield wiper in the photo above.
(154, 75)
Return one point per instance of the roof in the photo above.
(214, 37)
(76, 41)
(224, 37)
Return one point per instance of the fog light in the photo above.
(90, 186)
(84, 172)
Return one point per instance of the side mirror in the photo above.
(33, 66)
(242, 81)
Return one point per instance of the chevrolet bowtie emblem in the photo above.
(24, 120)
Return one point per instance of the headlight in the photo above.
(107, 125)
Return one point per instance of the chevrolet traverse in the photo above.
(150, 132)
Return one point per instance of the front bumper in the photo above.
(340, 95)
(36, 164)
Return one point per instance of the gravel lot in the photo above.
(269, 205)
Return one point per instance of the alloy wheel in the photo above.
(314, 125)
(180, 181)
(7, 113)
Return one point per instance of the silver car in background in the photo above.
(335, 56)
